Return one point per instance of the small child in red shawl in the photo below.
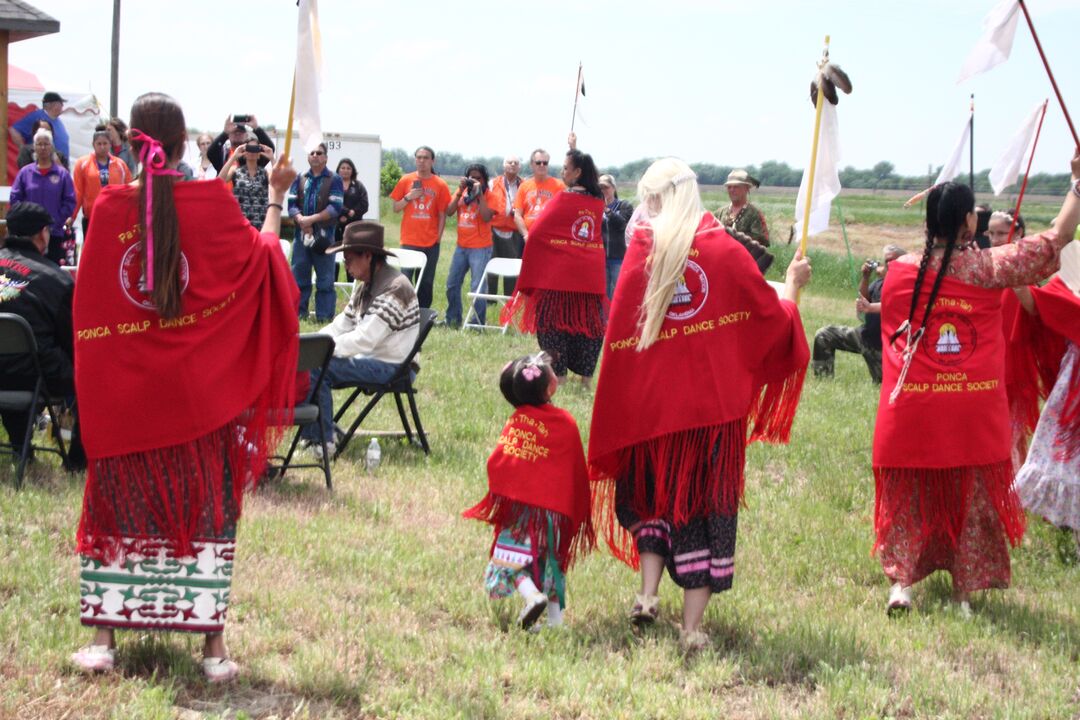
(538, 495)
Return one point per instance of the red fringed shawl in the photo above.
(539, 464)
(949, 426)
(562, 284)
(670, 424)
(1037, 346)
(166, 404)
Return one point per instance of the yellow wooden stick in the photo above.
(813, 155)
(288, 127)
(813, 161)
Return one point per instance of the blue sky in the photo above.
(711, 81)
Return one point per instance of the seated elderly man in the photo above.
(865, 339)
(33, 287)
(376, 330)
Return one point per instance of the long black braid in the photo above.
(947, 208)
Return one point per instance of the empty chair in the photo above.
(496, 268)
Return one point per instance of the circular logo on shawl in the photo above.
(583, 229)
(691, 290)
(133, 281)
(950, 338)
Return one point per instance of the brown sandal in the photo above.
(645, 610)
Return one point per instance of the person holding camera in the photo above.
(472, 203)
(235, 135)
(315, 202)
(865, 339)
(250, 182)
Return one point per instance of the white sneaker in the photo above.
(532, 611)
(318, 450)
(899, 599)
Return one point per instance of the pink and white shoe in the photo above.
(219, 670)
(94, 658)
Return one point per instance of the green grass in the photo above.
(368, 602)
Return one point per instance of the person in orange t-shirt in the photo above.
(94, 171)
(473, 204)
(422, 196)
(535, 192)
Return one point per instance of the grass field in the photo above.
(368, 602)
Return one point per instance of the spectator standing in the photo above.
(422, 198)
(535, 192)
(26, 152)
(48, 184)
(250, 183)
(472, 204)
(315, 202)
(741, 216)
(94, 172)
(865, 339)
(52, 105)
(355, 203)
(616, 215)
(234, 135)
(118, 136)
(507, 241)
(204, 169)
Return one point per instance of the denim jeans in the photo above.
(614, 266)
(425, 288)
(473, 260)
(303, 260)
(344, 370)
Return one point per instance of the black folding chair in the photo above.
(16, 338)
(400, 384)
(315, 352)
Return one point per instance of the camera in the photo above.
(872, 265)
(238, 119)
(253, 148)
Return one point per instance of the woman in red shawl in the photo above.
(561, 294)
(944, 497)
(702, 357)
(185, 345)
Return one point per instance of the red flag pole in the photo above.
(1038, 46)
(1023, 185)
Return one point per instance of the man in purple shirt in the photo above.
(48, 184)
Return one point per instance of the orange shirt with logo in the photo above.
(532, 197)
(502, 220)
(472, 230)
(420, 218)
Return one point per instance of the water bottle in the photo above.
(374, 455)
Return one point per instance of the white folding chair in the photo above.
(410, 262)
(496, 267)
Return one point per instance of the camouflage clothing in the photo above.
(749, 220)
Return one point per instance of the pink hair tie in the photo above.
(530, 372)
(153, 159)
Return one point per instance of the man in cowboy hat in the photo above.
(740, 215)
(378, 327)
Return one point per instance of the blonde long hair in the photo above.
(669, 190)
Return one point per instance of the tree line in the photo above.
(882, 176)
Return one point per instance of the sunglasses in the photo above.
(540, 162)
(316, 152)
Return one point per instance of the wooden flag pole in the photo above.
(1038, 46)
(813, 153)
(971, 145)
(1023, 185)
(577, 88)
(288, 126)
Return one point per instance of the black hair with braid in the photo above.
(947, 208)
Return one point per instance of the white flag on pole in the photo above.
(827, 175)
(952, 168)
(993, 48)
(308, 75)
(1007, 168)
